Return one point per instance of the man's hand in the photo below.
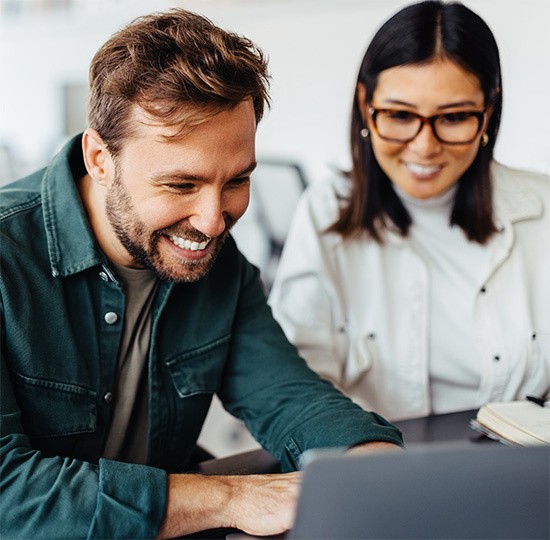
(266, 504)
(257, 504)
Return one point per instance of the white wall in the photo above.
(314, 47)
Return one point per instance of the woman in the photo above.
(420, 282)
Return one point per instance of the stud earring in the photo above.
(365, 133)
(484, 139)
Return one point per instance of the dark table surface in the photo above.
(452, 427)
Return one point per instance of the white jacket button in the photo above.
(111, 317)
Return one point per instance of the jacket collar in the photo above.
(71, 244)
(513, 199)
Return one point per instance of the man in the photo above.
(126, 305)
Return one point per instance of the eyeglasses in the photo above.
(460, 127)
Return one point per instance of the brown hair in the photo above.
(179, 68)
(415, 35)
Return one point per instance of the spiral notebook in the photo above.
(514, 422)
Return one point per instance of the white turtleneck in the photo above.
(454, 267)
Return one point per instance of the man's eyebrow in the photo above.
(246, 170)
(180, 175)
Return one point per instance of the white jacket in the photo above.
(357, 310)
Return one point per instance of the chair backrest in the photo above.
(260, 234)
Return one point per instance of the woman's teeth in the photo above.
(423, 170)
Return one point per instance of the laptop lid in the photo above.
(427, 491)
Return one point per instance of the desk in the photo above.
(452, 427)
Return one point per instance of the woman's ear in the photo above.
(97, 158)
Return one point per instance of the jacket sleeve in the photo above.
(60, 497)
(286, 406)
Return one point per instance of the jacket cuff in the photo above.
(131, 501)
(352, 430)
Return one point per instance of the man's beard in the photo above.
(143, 246)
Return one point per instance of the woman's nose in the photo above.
(425, 143)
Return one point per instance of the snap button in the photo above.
(108, 397)
(496, 358)
(111, 317)
(483, 289)
(104, 276)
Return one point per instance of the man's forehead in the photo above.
(151, 121)
(146, 125)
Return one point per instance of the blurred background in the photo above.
(314, 49)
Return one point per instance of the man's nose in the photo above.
(208, 215)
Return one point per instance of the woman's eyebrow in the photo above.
(462, 103)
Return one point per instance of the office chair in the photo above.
(276, 187)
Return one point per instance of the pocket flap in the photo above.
(200, 370)
(53, 408)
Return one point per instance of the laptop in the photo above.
(427, 491)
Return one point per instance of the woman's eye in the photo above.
(400, 116)
(455, 118)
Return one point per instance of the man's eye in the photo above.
(185, 186)
(237, 182)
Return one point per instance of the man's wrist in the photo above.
(197, 502)
(373, 446)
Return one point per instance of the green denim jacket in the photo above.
(59, 354)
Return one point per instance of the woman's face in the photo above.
(424, 167)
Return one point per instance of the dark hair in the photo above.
(179, 67)
(417, 34)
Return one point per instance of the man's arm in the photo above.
(256, 504)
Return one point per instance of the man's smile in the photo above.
(191, 245)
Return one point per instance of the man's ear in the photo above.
(97, 158)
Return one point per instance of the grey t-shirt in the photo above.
(128, 433)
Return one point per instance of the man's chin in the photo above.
(181, 270)
(185, 271)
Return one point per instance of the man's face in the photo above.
(170, 205)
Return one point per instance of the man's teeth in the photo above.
(188, 244)
(423, 170)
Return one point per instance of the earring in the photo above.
(365, 133)
(484, 139)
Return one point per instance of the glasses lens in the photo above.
(457, 127)
(397, 125)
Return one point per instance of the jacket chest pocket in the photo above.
(54, 409)
(200, 370)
